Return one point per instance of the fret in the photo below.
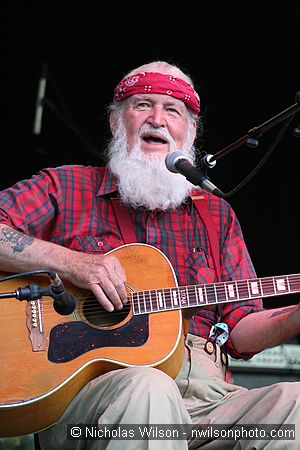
(187, 296)
(141, 303)
(215, 292)
(193, 296)
(144, 302)
(153, 301)
(260, 285)
(147, 302)
(294, 283)
(220, 289)
(243, 289)
(288, 284)
(210, 293)
(135, 303)
(274, 286)
(226, 292)
(196, 295)
(268, 286)
(236, 290)
(168, 300)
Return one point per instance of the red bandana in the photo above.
(158, 83)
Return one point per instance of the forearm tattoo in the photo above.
(282, 311)
(18, 241)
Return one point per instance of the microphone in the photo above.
(64, 303)
(39, 105)
(177, 162)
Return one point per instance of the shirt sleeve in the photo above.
(32, 206)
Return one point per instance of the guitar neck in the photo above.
(182, 297)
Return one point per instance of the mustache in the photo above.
(160, 132)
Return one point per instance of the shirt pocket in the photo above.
(94, 244)
(199, 267)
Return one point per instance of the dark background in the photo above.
(243, 59)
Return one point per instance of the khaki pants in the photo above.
(198, 396)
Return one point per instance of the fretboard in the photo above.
(165, 299)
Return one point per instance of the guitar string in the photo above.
(102, 312)
(208, 287)
(267, 282)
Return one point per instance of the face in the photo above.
(143, 178)
(167, 117)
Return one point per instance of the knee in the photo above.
(285, 396)
(286, 390)
(149, 380)
(149, 376)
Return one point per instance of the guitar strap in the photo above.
(128, 234)
(204, 212)
(124, 221)
(219, 332)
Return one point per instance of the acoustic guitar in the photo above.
(46, 358)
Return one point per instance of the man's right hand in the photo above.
(103, 275)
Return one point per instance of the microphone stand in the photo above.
(63, 304)
(251, 137)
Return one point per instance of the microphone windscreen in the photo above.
(171, 159)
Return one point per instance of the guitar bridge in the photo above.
(35, 324)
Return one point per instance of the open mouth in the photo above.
(154, 139)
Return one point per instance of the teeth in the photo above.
(154, 140)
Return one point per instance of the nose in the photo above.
(156, 117)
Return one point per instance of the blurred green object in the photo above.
(17, 443)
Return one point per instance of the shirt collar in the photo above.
(109, 187)
(108, 183)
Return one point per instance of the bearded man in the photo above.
(71, 218)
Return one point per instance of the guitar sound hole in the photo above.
(98, 316)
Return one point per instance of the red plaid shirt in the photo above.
(70, 206)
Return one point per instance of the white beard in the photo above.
(143, 179)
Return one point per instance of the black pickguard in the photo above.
(70, 340)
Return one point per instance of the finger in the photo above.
(119, 281)
(121, 290)
(108, 293)
(101, 297)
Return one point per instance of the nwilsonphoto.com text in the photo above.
(180, 432)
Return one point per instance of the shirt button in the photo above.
(99, 243)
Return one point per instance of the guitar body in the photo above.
(47, 358)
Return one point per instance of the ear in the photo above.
(112, 122)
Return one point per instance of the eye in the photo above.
(142, 105)
(173, 110)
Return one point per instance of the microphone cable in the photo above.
(262, 161)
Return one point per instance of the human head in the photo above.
(145, 127)
(151, 81)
